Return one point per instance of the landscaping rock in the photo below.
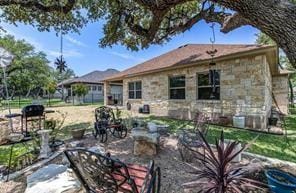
(145, 143)
(97, 149)
(152, 127)
(142, 147)
(141, 134)
(163, 129)
(52, 179)
(155, 128)
(75, 144)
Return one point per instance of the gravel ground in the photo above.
(174, 172)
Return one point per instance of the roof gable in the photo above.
(92, 77)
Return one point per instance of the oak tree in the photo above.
(140, 23)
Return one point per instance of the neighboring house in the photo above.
(176, 84)
(94, 83)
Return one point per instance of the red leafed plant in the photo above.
(217, 173)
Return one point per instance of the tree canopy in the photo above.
(140, 23)
(29, 72)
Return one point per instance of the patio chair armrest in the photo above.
(151, 167)
(148, 177)
(154, 182)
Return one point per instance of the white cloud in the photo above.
(75, 41)
(127, 56)
(66, 53)
(38, 46)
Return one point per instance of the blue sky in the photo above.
(83, 54)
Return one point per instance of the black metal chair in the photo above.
(106, 121)
(102, 174)
(191, 140)
(32, 113)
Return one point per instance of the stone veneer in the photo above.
(280, 88)
(245, 86)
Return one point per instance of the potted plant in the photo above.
(279, 181)
(224, 120)
(77, 133)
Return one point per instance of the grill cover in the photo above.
(33, 110)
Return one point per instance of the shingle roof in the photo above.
(186, 54)
(92, 77)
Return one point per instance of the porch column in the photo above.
(107, 92)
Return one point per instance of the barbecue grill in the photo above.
(32, 113)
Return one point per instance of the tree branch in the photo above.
(232, 22)
(228, 21)
(39, 5)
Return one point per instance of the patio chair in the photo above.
(106, 121)
(190, 141)
(102, 174)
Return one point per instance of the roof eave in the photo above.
(218, 59)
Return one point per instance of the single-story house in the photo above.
(248, 83)
(94, 82)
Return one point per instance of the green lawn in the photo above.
(74, 119)
(269, 145)
(20, 103)
(16, 103)
(276, 146)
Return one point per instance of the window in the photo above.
(205, 90)
(94, 88)
(99, 88)
(177, 87)
(89, 88)
(135, 90)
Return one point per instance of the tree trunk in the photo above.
(276, 18)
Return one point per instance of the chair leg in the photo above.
(22, 125)
(26, 127)
(39, 122)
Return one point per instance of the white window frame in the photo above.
(174, 88)
(207, 86)
(135, 90)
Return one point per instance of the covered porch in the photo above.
(113, 92)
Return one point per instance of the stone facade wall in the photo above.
(245, 85)
(280, 88)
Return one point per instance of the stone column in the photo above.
(107, 92)
(45, 150)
